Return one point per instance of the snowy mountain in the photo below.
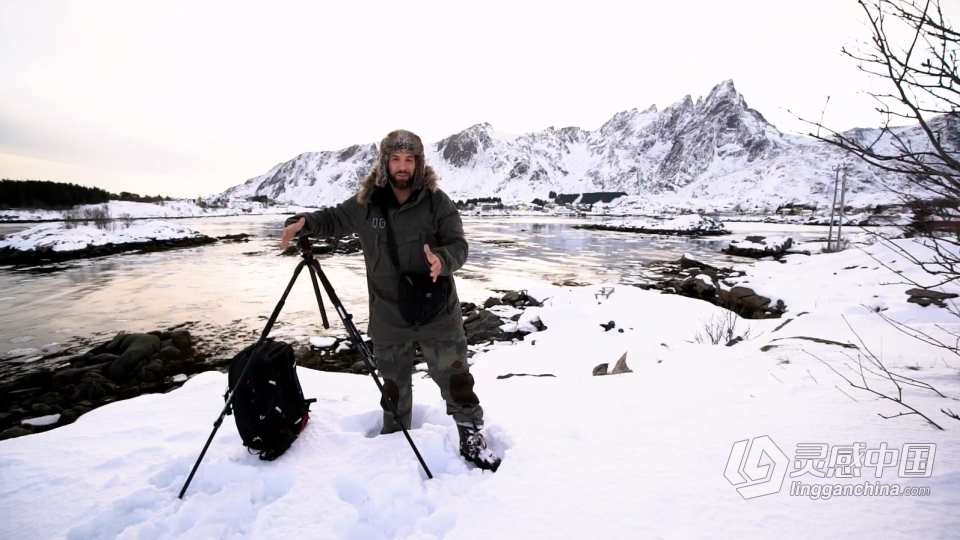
(714, 152)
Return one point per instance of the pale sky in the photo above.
(190, 98)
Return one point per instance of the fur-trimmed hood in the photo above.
(398, 140)
(370, 184)
(374, 181)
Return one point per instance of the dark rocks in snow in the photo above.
(621, 366)
(758, 247)
(125, 366)
(618, 368)
(750, 305)
(925, 297)
(11, 256)
(482, 324)
(695, 279)
(341, 356)
(70, 383)
(479, 324)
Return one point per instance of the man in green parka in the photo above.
(407, 225)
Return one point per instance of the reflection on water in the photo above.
(239, 283)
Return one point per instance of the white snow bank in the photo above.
(638, 455)
(60, 238)
(168, 209)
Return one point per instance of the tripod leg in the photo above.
(366, 355)
(243, 372)
(316, 290)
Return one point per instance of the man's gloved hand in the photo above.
(290, 231)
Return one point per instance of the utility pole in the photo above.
(843, 192)
(839, 185)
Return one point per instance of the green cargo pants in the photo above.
(447, 365)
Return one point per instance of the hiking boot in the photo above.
(474, 448)
(392, 426)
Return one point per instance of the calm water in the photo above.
(239, 283)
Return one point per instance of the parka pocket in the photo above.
(410, 252)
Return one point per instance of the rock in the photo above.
(688, 262)
(93, 359)
(511, 298)
(171, 353)
(69, 416)
(748, 304)
(490, 302)
(93, 387)
(600, 369)
(51, 398)
(15, 431)
(242, 237)
(41, 409)
(621, 366)
(359, 366)
(153, 370)
(696, 287)
(135, 349)
(66, 377)
(608, 326)
(484, 327)
(758, 247)
(925, 297)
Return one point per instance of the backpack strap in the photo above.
(391, 241)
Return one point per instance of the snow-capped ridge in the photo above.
(714, 152)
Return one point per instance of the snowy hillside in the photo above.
(643, 454)
(714, 152)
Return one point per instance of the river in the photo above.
(238, 284)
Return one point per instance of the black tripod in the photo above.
(306, 252)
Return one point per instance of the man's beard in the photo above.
(402, 183)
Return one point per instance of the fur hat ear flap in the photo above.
(381, 178)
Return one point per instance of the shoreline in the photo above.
(59, 387)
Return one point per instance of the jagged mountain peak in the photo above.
(462, 148)
(716, 148)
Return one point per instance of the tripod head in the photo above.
(305, 246)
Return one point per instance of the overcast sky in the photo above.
(189, 98)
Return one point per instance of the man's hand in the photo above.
(436, 264)
(290, 231)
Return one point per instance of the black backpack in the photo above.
(268, 405)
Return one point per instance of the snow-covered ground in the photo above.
(637, 455)
(139, 210)
(58, 237)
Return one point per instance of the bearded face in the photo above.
(401, 167)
